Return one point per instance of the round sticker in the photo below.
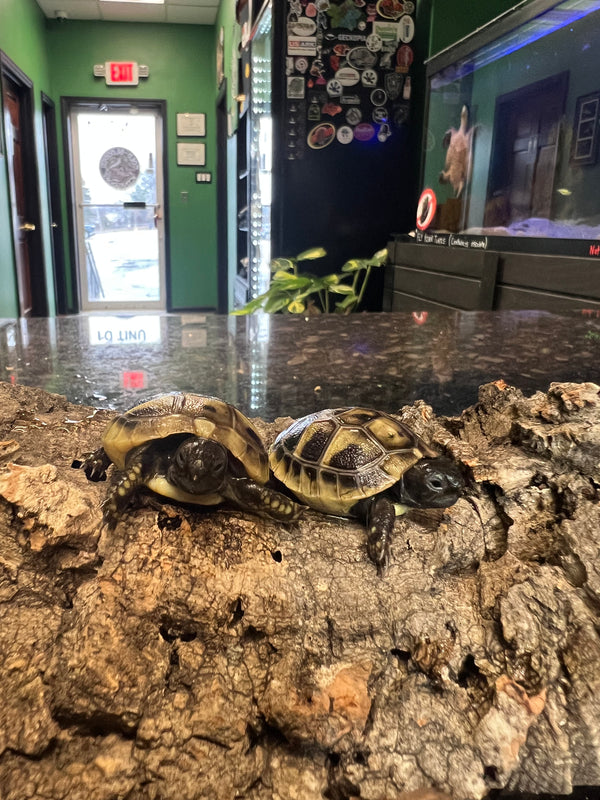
(334, 88)
(321, 135)
(374, 42)
(347, 76)
(369, 78)
(380, 114)
(364, 131)
(345, 134)
(119, 167)
(378, 97)
(301, 64)
(353, 116)
(409, 6)
(407, 28)
(426, 209)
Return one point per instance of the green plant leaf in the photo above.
(283, 281)
(379, 258)
(276, 302)
(285, 264)
(354, 265)
(311, 254)
(296, 307)
(251, 306)
(342, 288)
(346, 303)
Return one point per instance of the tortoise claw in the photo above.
(94, 465)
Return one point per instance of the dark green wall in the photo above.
(22, 38)
(181, 62)
(451, 21)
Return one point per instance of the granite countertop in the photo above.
(279, 365)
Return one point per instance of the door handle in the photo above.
(27, 226)
(54, 225)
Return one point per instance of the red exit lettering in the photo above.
(121, 72)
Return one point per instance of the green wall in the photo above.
(181, 62)
(22, 38)
(451, 21)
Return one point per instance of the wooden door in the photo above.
(22, 227)
(525, 151)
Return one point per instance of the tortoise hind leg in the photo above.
(262, 500)
(378, 514)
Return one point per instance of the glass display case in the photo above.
(511, 134)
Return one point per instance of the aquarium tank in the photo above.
(511, 133)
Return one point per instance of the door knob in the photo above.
(27, 226)
(54, 225)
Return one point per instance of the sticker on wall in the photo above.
(303, 27)
(393, 83)
(119, 167)
(348, 76)
(369, 78)
(302, 47)
(374, 42)
(390, 9)
(378, 97)
(321, 136)
(404, 57)
(364, 131)
(426, 209)
(361, 58)
(334, 88)
(345, 134)
(353, 115)
(301, 64)
(407, 28)
(295, 88)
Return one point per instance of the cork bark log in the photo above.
(192, 654)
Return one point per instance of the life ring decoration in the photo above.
(426, 209)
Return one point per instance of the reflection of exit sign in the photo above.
(121, 73)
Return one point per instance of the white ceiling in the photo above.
(190, 12)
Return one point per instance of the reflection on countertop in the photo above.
(289, 365)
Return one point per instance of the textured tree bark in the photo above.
(211, 654)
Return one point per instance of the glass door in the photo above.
(118, 187)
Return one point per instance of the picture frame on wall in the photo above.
(191, 154)
(191, 124)
(585, 129)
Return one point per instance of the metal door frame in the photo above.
(77, 244)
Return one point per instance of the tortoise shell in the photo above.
(332, 459)
(178, 413)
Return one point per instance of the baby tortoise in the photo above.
(356, 462)
(189, 448)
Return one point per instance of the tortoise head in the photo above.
(430, 483)
(199, 466)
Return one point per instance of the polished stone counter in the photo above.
(289, 365)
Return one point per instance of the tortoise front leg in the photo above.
(122, 486)
(262, 500)
(95, 465)
(378, 514)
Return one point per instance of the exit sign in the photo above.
(121, 73)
